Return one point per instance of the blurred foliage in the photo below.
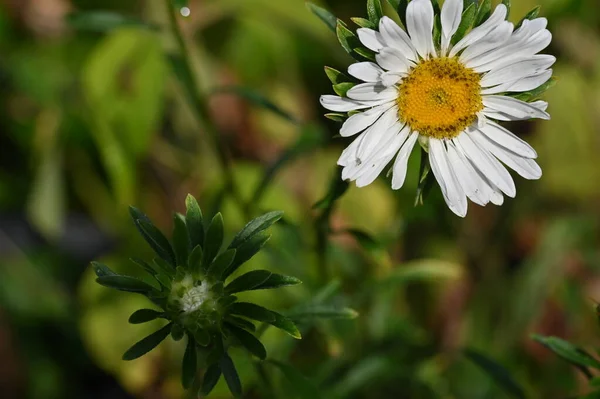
(92, 120)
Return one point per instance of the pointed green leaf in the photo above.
(246, 251)
(181, 242)
(484, 12)
(241, 323)
(466, 23)
(342, 88)
(375, 11)
(226, 300)
(498, 373)
(164, 267)
(536, 93)
(252, 311)
(102, 270)
(124, 283)
(248, 281)
(394, 3)
(202, 337)
(324, 15)
(152, 235)
(211, 377)
(249, 341)
(347, 39)
(231, 376)
(153, 271)
(190, 363)
(195, 261)
(254, 227)
(365, 53)
(147, 344)
(221, 264)
(277, 281)
(213, 240)
(287, 325)
(144, 315)
(336, 76)
(312, 312)
(301, 385)
(194, 221)
(568, 352)
(364, 23)
(533, 14)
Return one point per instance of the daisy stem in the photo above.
(201, 109)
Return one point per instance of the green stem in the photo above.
(201, 109)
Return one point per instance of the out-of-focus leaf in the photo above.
(102, 270)
(211, 377)
(258, 100)
(361, 374)
(189, 364)
(569, 352)
(277, 281)
(328, 18)
(466, 23)
(312, 312)
(336, 190)
(213, 240)
(147, 344)
(124, 283)
(422, 270)
(497, 372)
(104, 21)
(180, 3)
(301, 386)
(144, 315)
(250, 342)
(231, 376)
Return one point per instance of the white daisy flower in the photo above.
(449, 99)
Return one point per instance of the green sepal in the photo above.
(364, 23)
(177, 332)
(336, 117)
(374, 11)
(484, 12)
(231, 376)
(341, 89)
(202, 337)
(211, 378)
(536, 93)
(147, 344)
(365, 53)
(466, 23)
(213, 240)
(347, 38)
(181, 242)
(533, 14)
(249, 341)
(124, 283)
(153, 236)
(189, 365)
(335, 76)
(194, 221)
(144, 316)
(220, 265)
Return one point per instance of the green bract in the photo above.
(191, 288)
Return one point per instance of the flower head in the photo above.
(446, 87)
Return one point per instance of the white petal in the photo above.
(505, 138)
(401, 163)
(495, 39)
(370, 38)
(391, 78)
(378, 134)
(341, 104)
(419, 20)
(481, 31)
(395, 37)
(372, 92)
(348, 156)
(365, 71)
(374, 167)
(392, 60)
(525, 167)
(487, 164)
(473, 186)
(359, 122)
(510, 109)
(522, 85)
(444, 174)
(517, 70)
(541, 105)
(451, 17)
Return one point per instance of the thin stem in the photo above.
(201, 109)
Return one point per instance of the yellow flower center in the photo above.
(440, 98)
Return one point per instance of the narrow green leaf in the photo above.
(301, 385)
(102, 270)
(144, 315)
(252, 311)
(147, 344)
(312, 312)
(498, 373)
(285, 324)
(328, 18)
(335, 76)
(248, 281)
(226, 300)
(466, 23)
(484, 12)
(220, 265)
(277, 281)
(202, 337)
(533, 14)
(347, 39)
(375, 11)
(211, 377)
(246, 251)
(508, 5)
(536, 93)
(190, 363)
(231, 376)
(181, 241)
(195, 261)
(569, 352)
(364, 23)
(104, 21)
(213, 240)
(124, 283)
(255, 226)
(153, 271)
(249, 341)
(365, 53)
(164, 267)
(194, 221)
(152, 235)
(336, 117)
(259, 100)
(241, 323)
(341, 89)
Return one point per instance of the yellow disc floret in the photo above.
(440, 98)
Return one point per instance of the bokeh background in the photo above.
(93, 119)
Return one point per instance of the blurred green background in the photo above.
(92, 120)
